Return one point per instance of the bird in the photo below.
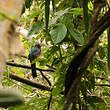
(33, 54)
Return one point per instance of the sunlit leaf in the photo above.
(71, 29)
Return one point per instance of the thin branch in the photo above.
(23, 56)
(28, 82)
(27, 67)
(51, 67)
(100, 26)
(46, 78)
(108, 85)
(60, 54)
(49, 101)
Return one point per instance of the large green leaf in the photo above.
(75, 34)
(58, 33)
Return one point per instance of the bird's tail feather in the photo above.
(34, 73)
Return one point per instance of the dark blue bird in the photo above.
(33, 54)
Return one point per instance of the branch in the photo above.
(97, 6)
(28, 82)
(46, 78)
(49, 102)
(60, 52)
(6, 77)
(27, 67)
(51, 67)
(108, 85)
(81, 61)
(102, 78)
(85, 56)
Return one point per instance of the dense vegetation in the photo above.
(74, 65)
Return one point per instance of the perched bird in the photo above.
(33, 54)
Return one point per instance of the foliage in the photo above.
(61, 34)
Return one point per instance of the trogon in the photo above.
(33, 54)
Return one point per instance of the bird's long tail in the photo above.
(33, 68)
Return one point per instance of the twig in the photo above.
(51, 67)
(60, 54)
(49, 101)
(27, 67)
(28, 82)
(46, 78)
(24, 56)
(100, 26)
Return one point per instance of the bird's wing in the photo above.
(34, 53)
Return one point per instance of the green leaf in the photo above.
(58, 15)
(62, 12)
(77, 11)
(35, 28)
(75, 34)
(47, 12)
(58, 33)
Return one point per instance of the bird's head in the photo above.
(38, 46)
